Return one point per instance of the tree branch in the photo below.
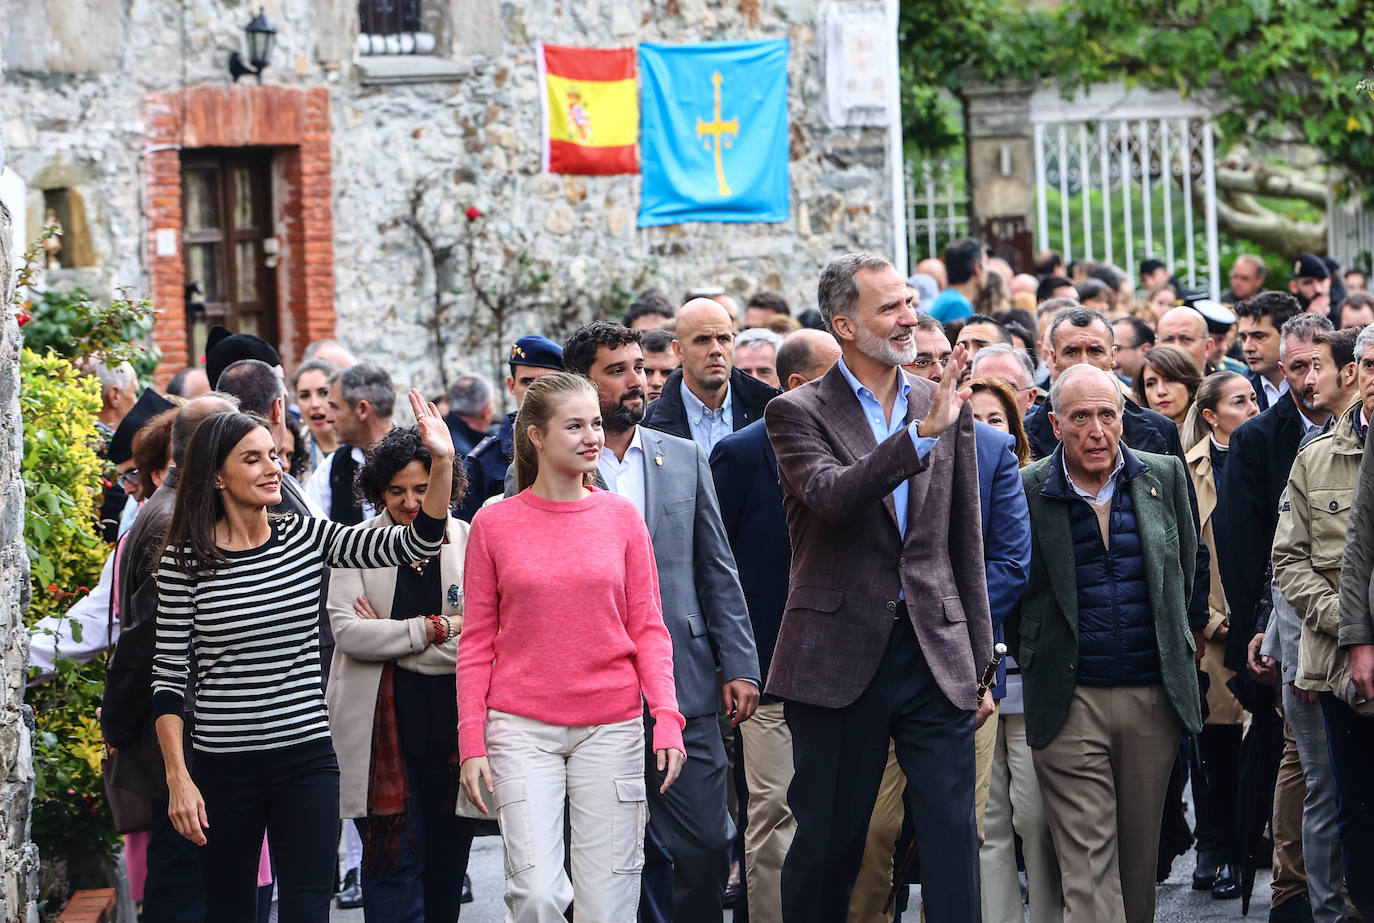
(1265, 227)
(1263, 179)
(439, 255)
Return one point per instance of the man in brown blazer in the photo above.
(886, 628)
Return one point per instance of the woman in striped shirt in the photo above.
(238, 607)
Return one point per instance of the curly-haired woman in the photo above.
(392, 696)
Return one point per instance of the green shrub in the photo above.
(62, 486)
(70, 324)
(64, 479)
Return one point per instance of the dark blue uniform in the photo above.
(486, 467)
(486, 464)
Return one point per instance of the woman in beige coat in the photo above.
(393, 702)
(1224, 401)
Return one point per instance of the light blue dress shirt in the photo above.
(708, 426)
(884, 429)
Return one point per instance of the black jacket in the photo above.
(745, 472)
(126, 714)
(1258, 460)
(486, 466)
(748, 397)
(465, 438)
(1257, 382)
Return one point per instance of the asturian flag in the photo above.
(714, 133)
(591, 113)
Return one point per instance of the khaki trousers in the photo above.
(600, 771)
(1014, 804)
(768, 772)
(1290, 789)
(984, 748)
(1104, 778)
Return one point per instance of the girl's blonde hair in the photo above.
(541, 400)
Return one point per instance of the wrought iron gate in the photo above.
(1121, 175)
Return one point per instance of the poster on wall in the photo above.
(858, 62)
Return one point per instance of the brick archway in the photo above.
(295, 123)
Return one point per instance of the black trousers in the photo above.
(172, 893)
(839, 755)
(1214, 795)
(292, 793)
(432, 855)
(687, 840)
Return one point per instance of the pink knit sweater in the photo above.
(561, 619)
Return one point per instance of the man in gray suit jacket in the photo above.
(688, 839)
(887, 625)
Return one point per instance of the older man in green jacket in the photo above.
(1106, 651)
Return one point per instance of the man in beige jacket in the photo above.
(1308, 544)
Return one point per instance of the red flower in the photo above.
(52, 588)
(23, 317)
(473, 213)
(84, 589)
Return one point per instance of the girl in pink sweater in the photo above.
(563, 641)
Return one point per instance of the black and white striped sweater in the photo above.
(254, 628)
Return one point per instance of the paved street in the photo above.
(1178, 903)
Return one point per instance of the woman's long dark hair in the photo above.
(191, 535)
(1174, 364)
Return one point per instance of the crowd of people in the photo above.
(943, 580)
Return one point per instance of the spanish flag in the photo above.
(591, 109)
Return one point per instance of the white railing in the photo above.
(936, 207)
(1118, 177)
(1350, 232)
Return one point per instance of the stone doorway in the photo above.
(288, 130)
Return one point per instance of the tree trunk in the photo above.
(1241, 215)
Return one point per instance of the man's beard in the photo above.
(884, 351)
(617, 418)
(1307, 399)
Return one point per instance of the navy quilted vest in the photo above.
(1116, 628)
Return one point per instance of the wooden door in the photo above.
(226, 224)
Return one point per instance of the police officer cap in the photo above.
(1219, 317)
(537, 352)
(1310, 266)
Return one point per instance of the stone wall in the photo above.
(18, 856)
(462, 127)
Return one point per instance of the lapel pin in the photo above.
(1153, 492)
(658, 460)
(454, 595)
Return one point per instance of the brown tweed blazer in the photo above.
(850, 564)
